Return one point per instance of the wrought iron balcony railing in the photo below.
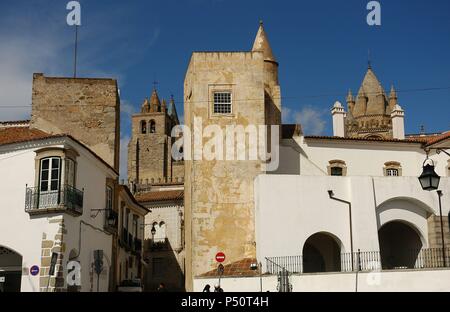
(67, 199)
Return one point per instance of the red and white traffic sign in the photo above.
(220, 257)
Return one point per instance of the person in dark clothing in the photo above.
(162, 288)
(217, 288)
(207, 288)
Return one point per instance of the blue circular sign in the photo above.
(34, 270)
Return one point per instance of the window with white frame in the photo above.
(392, 169)
(50, 174)
(392, 172)
(222, 103)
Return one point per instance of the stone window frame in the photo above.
(337, 163)
(392, 165)
(63, 154)
(218, 88)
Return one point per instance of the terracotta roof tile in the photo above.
(363, 139)
(12, 135)
(238, 268)
(157, 196)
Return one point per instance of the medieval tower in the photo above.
(221, 89)
(149, 151)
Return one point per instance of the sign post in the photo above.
(220, 258)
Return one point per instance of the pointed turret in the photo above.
(392, 100)
(155, 103)
(262, 44)
(164, 106)
(173, 111)
(145, 108)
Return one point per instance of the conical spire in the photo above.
(350, 97)
(262, 44)
(155, 103)
(173, 110)
(145, 108)
(393, 93)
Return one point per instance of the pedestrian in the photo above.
(162, 288)
(207, 288)
(217, 288)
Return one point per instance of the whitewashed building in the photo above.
(347, 212)
(52, 204)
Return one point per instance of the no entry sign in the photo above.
(220, 257)
(34, 270)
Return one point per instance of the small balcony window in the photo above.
(55, 180)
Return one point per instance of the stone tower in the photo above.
(226, 88)
(86, 108)
(149, 151)
(369, 114)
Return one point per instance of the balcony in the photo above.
(67, 200)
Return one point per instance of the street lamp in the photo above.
(429, 180)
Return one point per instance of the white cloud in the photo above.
(313, 120)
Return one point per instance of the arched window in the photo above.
(143, 127)
(152, 126)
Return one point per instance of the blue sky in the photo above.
(321, 47)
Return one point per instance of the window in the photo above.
(222, 103)
(143, 127)
(336, 171)
(392, 169)
(337, 168)
(392, 172)
(152, 126)
(109, 198)
(50, 174)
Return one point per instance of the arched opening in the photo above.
(321, 253)
(400, 245)
(152, 126)
(143, 127)
(10, 270)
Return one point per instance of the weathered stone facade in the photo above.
(369, 115)
(49, 246)
(149, 151)
(219, 203)
(87, 109)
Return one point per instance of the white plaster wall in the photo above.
(387, 281)
(289, 209)
(362, 158)
(23, 233)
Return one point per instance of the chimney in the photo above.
(338, 114)
(398, 122)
